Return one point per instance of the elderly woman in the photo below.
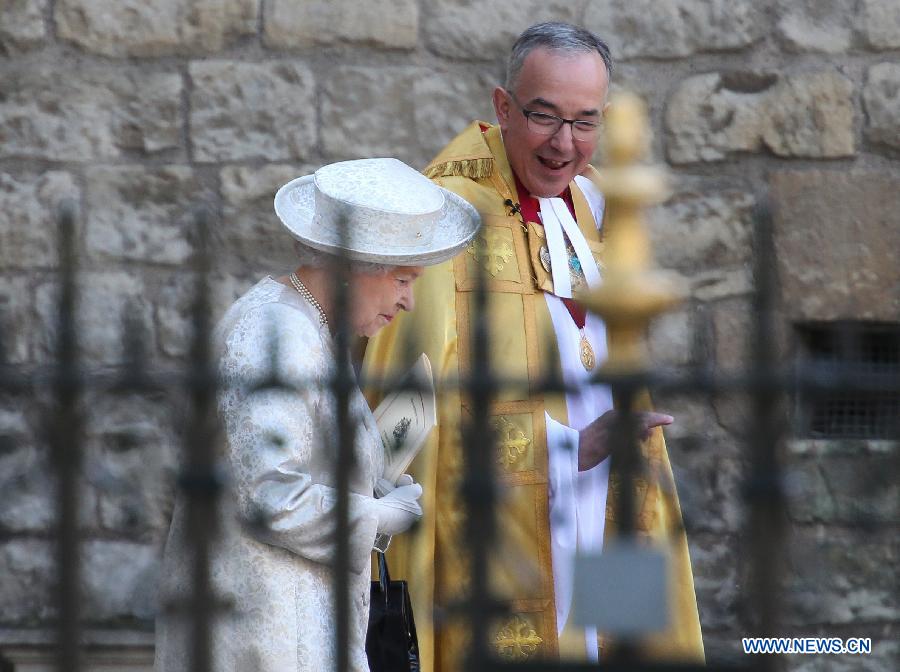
(275, 566)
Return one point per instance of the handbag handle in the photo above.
(384, 577)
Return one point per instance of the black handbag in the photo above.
(391, 643)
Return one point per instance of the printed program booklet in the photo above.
(406, 417)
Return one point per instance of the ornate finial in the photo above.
(631, 293)
(627, 137)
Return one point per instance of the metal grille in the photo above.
(871, 376)
(851, 352)
(69, 381)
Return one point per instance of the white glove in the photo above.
(383, 486)
(398, 509)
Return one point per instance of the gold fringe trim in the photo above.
(474, 169)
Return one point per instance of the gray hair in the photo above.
(557, 36)
(313, 258)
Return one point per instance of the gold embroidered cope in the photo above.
(434, 557)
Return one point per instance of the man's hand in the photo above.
(595, 440)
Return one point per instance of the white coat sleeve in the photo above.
(276, 435)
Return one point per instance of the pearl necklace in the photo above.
(306, 294)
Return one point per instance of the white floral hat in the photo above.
(377, 210)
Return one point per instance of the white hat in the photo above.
(377, 210)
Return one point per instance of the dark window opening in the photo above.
(856, 367)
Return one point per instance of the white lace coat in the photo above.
(280, 448)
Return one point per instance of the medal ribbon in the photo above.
(529, 207)
(557, 218)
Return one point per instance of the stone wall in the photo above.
(139, 110)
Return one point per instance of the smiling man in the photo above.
(540, 245)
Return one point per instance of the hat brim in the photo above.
(458, 223)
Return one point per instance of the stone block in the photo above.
(251, 236)
(138, 28)
(370, 112)
(447, 102)
(697, 231)
(731, 321)
(721, 284)
(695, 427)
(849, 489)
(30, 205)
(27, 571)
(87, 114)
(709, 475)
(14, 430)
(810, 115)
(26, 473)
(173, 318)
(131, 455)
(650, 85)
(22, 25)
(841, 577)
(834, 233)
(721, 647)
(28, 488)
(110, 649)
(407, 112)
(28, 478)
(290, 24)
(174, 298)
(881, 97)
(649, 29)
(881, 23)
(487, 30)
(705, 119)
(252, 110)
(142, 214)
(669, 338)
(885, 648)
(715, 560)
(801, 115)
(105, 298)
(824, 26)
(16, 321)
(733, 331)
(132, 568)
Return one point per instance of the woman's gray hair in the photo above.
(557, 36)
(313, 258)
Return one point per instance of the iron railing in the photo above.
(766, 380)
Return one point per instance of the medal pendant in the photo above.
(587, 354)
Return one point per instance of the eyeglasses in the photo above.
(549, 124)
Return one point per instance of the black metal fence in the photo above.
(770, 385)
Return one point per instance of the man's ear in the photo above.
(604, 110)
(501, 106)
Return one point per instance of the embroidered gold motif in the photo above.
(517, 640)
(587, 353)
(512, 441)
(641, 490)
(491, 250)
(474, 169)
(544, 255)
